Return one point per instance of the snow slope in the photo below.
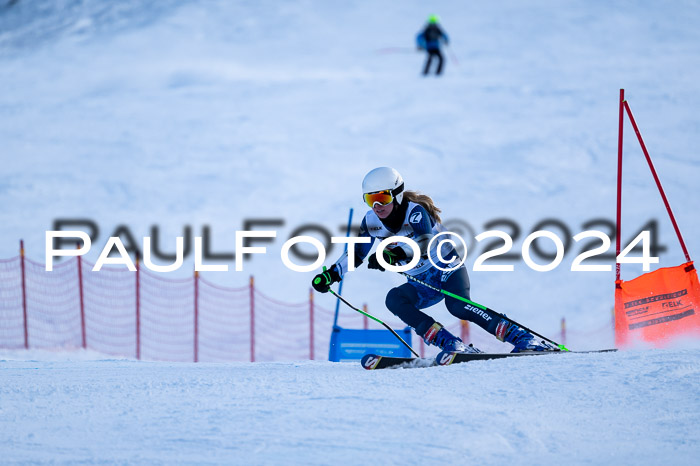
(210, 113)
(636, 407)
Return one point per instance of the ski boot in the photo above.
(439, 336)
(521, 339)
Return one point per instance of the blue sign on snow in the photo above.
(351, 344)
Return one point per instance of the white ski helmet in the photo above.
(381, 179)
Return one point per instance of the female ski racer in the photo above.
(396, 212)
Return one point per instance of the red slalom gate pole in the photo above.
(82, 301)
(618, 225)
(196, 316)
(138, 309)
(252, 319)
(464, 330)
(658, 182)
(563, 331)
(24, 294)
(311, 324)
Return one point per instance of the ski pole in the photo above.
(482, 307)
(452, 56)
(376, 320)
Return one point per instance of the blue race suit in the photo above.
(407, 300)
(429, 40)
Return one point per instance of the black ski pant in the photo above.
(405, 302)
(433, 53)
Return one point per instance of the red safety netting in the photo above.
(11, 312)
(166, 317)
(146, 315)
(601, 337)
(109, 298)
(281, 327)
(223, 323)
(53, 308)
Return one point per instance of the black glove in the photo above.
(390, 256)
(323, 281)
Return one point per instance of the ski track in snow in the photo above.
(636, 407)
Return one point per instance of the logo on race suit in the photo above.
(446, 359)
(446, 275)
(478, 311)
(416, 218)
(372, 362)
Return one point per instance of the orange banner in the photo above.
(658, 306)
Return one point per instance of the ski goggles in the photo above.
(380, 197)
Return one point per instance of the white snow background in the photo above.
(208, 113)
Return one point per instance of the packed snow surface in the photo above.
(199, 113)
(635, 407)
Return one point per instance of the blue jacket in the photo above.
(430, 37)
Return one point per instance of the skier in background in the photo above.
(395, 212)
(429, 39)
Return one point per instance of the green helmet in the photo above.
(433, 19)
